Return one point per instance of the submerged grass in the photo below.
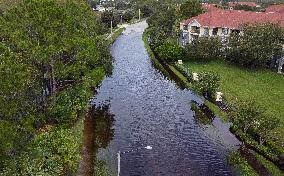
(274, 170)
(263, 86)
(151, 53)
(221, 114)
(237, 160)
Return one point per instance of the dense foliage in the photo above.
(204, 49)
(170, 51)
(51, 58)
(190, 9)
(246, 8)
(207, 84)
(256, 45)
(252, 119)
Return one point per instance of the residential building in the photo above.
(275, 9)
(210, 7)
(223, 22)
(251, 4)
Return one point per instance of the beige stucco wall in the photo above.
(201, 31)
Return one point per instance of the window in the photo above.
(225, 31)
(214, 31)
(206, 31)
(185, 27)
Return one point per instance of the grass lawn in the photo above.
(264, 86)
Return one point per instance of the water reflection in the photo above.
(151, 110)
(104, 121)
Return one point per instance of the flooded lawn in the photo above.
(145, 108)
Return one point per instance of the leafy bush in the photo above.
(204, 49)
(207, 84)
(247, 115)
(256, 45)
(185, 72)
(50, 56)
(170, 51)
(236, 159)
(251, 143)
(54, 152)
(190, 8)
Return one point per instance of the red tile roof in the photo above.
(252, 4)
(209, 7)
(276, 8)
(235, 18)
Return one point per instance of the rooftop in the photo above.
(276, 8)
(252, 4)
(235, 18)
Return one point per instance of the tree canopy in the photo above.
(51, 57)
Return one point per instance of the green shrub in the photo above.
(204, 49)
(185, 72)
(236, 159)
(52, 153)
(208, 84)
(256, 46)
(170, 51)
(247, 115)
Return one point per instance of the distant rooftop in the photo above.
(252, 4)
(276, 8)
(235, 18)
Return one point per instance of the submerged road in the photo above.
(142, 107)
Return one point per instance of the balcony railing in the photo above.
(197, 31)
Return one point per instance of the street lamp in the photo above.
(120, 153)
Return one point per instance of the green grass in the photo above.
(237, 160)
(217, 111)
(114, 36)
(263, 86)
(151, 54)
(274, 170)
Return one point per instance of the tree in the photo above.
(50, 58)
(247, 115)
(190, 9)
(255, 45)
(246, 8)
(128, 15)
(265, 127)
(170, 51)
(109, 16)
(204, 49)
(208, 84)
(121, 5)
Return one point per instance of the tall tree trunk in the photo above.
(53, 80)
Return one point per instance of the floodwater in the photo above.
(145, 108)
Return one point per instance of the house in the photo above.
(223, 22)
(209, 7)
(275, 9)
(104, 2)
(251, 4)
(99, 8)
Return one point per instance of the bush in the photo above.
(128, 15)
(170, 51)
(256, 45)
(204, 49)
(208, 84)
(247, 114)
(56, 152)
(186, 73)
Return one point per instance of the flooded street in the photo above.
(145, 108)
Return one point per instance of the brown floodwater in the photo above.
(142, 107)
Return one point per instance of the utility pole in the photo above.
(111, 26)
(120, 153)
(118, 163)
(139, 12)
